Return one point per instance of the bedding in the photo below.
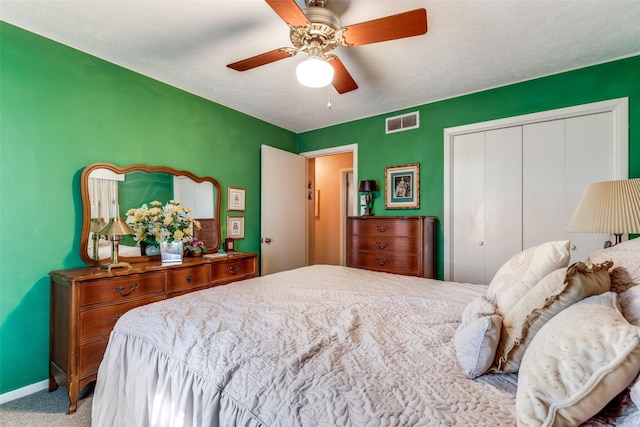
(320, 345)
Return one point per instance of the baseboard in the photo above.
(24, 391)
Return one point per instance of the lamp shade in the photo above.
(608, 207)
(314, 72)
(368, 186)
(116, 227)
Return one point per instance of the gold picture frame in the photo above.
(402, 186)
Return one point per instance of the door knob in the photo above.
(267, 240)
(480, 243)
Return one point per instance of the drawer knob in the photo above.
(382, 245)
(120, 289)
(381, 261)
(382, 228)
(189, 277)
(233, 270)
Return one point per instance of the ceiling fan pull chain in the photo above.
(329, 96)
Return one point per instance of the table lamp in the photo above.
(367, 187)
(115, 229)
(611, 207)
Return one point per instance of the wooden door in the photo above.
(283, 210)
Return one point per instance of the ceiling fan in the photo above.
(316, 30)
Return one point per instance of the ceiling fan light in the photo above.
(314, 72)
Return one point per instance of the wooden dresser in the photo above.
(393, 244)
(87, 302)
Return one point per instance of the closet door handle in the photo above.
(480, 243)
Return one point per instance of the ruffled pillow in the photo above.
(577, 363)
(477, 337)
(625, 272)
(555, 292)
(516, 276)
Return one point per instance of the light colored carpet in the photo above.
(44, 409)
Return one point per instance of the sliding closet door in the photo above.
(468, 212)
(503, 197)
(487, 199)
(590, 155)
(543, 182)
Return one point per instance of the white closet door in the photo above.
(543, 182)
(468, 208)
(590, 158)
(503, 197)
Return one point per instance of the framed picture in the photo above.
(235, 227)
(402, 186)
(235, 199)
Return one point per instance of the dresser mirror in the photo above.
(109, 191)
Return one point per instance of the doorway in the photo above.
(331, 197)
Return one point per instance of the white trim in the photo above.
(619, 107)
(24, 391)
(350, 148)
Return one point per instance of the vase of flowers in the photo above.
(195, 248)
(169, 226)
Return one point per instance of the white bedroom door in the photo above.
(283, 210)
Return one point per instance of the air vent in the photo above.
(404, 122)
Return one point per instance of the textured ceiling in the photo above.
(469, 46)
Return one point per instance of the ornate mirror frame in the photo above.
(86, 206)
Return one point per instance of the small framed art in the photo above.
(236, 199)
(402, 186)
(235, 227)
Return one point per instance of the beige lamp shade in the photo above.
(116, 227)
(608, 207)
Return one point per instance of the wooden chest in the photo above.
(402, 245)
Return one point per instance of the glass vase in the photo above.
(171, 253)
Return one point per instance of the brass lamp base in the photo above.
(115, 265)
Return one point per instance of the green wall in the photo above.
(426, 145)
(62, 110)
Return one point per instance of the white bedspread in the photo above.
(316, 346)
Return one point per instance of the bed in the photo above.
(319, 345)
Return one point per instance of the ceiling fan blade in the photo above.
(289, 11)
(342, 80)
(262, 59)
(407, 24)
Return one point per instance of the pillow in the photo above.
(555, 292)
(514, 279)
(626, 263)
(477, 337)
(630, 304)
(577, 363)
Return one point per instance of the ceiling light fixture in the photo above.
(315, 71)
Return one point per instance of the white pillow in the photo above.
(477, 337)
(555, 292)
(578, 362)
(626, 263)
(514, 279)
(630, 304)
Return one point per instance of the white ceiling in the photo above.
(469, 46)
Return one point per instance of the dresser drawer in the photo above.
(386, 244)
(186, 278)
(224, 272)
(90, 356)
(391, 263)
(100, 320)
(386, 227)
(120, 289)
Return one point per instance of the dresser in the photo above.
(393, 244)
(87, 302)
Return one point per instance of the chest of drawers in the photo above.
(87, 302)
(402, 245)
